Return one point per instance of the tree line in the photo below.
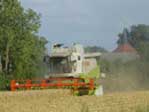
(93, 49)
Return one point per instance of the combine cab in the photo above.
(69, 68)
(73, 62)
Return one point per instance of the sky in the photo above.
(89, 22)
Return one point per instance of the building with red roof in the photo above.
(125, 48)
(124, 52)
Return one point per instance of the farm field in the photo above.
(62, 101)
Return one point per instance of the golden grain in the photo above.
(62, 101)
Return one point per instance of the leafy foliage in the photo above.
(4, 82)
(21, 48)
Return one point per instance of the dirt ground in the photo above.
(62, 101)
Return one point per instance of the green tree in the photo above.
(21, 48)
(139, 34)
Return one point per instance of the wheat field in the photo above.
(63, 101)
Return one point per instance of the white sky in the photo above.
(90, 22)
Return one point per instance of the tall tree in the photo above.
(21, 48)
(139, 34)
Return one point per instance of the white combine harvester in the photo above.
(74, 62)
(70, 68)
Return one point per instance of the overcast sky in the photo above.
(90, 22)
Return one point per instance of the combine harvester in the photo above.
(70, 68)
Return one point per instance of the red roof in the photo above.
(127, 48)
